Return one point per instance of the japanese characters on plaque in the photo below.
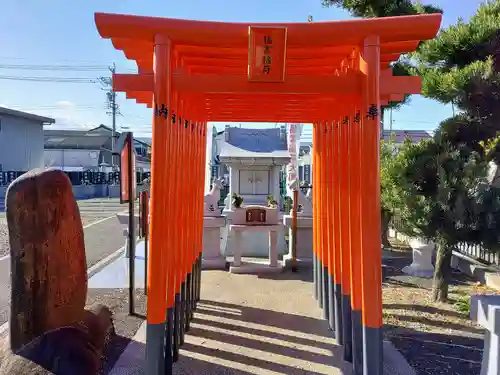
(256, 215)
(266, 54)
(267, 59)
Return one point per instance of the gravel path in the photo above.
(4, 235)
(435, 339)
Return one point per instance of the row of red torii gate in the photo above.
(335, 75)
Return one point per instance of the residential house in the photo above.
(88, 150)
(398, 136)
(21, 140)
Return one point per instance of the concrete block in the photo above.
(485, 311)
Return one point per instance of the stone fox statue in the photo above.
(212, 198)
(304, 203)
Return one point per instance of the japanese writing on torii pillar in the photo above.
(267, 59)
(371, 114)
(162, 111)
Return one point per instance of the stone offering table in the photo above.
(485, 311)
(255, 219)
(304, 239)
(254, 215)
(255, 267)
(212, 257)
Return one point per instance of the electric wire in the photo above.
(79, 66)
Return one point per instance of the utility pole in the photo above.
(112, 103)
(107, 82)
(390, 121)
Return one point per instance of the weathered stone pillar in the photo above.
(48, 266)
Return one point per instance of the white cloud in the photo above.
(65, 104)
(69, 122)
(68, 118)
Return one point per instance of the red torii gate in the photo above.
(333, 74)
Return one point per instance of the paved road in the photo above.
(103, 236)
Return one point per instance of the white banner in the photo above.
(208, 150)
(293, 141)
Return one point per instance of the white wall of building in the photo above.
(71, 159)
(21, 144)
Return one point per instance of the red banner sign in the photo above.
(127, 171)
(266, 54)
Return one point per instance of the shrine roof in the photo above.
(250, 143)
(208, 46)
(235, 34)
(321, 63)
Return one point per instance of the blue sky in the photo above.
(62, 32)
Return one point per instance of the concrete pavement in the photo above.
(246, 324)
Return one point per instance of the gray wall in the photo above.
(21, 144)
(80, 192)
(72, 159)
(3, 190)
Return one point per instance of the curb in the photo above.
(394, 362)
(91, 271)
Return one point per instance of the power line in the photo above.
(60, 62)
(55, 106)
(107, 84)
(58, 59)
(82, 68)
(50, 79)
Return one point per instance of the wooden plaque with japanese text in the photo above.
(266, 54)
(256, 215)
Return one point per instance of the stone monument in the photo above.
(48, 276)
(47, 249)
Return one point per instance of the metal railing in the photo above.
(79, 178)
(473, 251)
(477, 252)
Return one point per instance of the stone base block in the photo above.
(214, 264)
(256, 268)
(485, 311)
(287, 261)
(418, 272)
